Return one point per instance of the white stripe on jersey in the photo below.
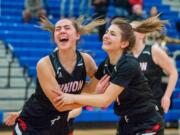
(152, 133)
(146, 52)
(17, 130)
(80, 64)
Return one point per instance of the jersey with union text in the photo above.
(38, 111)
(152, 72)
(70, 82)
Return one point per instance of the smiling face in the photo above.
(65, 34)
(112, 39)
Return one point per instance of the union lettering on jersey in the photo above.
(73, 86)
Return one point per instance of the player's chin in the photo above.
(106, 47)
(64, 46)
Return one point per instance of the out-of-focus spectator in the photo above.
(100, 10)
(122, 7)
(33, 9)
(153, 11)
(137, 13)
(134, 2)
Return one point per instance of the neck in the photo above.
(115, 56)
(139, 46)
(67, 55)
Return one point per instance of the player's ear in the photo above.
(124, 44)
(78, 35)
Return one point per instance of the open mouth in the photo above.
(64, 40)
(106, 43)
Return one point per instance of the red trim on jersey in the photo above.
(22, 124)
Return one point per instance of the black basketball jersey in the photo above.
(38, 110)
(136, 96)
(152, 72)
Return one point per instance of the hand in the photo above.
(102, 84)
(165, 103)
(10, 120)
(63, 99)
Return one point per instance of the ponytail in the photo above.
(149, 25)
(45, 24)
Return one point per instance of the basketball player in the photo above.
(64, 70)
(127, 83)
(153, 61)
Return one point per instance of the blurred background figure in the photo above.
(153, 11)
(100, 10)
(134, 2)
(122, 8)
(137, 13)
(33, 9)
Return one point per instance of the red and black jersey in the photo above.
(38, 111)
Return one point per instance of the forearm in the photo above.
(88, 88)
(100, 100)
(74, 113)
(68, 107)
(171, 84)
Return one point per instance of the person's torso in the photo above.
(151, 71)
(39, 108)
(136, 98)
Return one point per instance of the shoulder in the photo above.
(43, 63)
(86, 56)
(156, 48)
(88, 60)
(128, 62)
(157, 53)
(90, 64)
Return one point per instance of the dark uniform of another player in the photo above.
(154, 75)
(136, 105)
(38, 116)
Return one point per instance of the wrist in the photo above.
(74, 98)
(167, 96)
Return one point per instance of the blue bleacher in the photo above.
(30, 44)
